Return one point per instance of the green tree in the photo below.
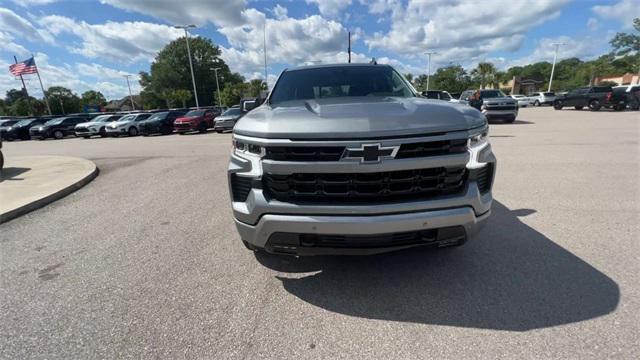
(63, 100)
(170, 71)
(92, 97)
(485, 73)
(453, 79)
(409, 77)
(254, 87)
(232, 93)
(181, 96)
(626, 43)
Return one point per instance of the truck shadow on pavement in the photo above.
(510, 277)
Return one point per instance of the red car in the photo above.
(195, 120)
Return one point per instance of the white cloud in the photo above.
(7, 44)
(15, 24)
(28, 3)
(584, 48)
(280, 12)
(127, 42)
(199, 12)
(593, 24)
(330, 8)
(459, 28)
(624, 11)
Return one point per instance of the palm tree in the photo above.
(486, 72)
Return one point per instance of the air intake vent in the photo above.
(240, 187)
(483, 177)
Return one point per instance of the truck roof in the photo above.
(317, 66)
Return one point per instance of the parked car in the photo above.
(195, 120)
(632, 93)
(371, 168)
(97, 126)
(20, 130)
(592, 97)
(56, 128)
(523, 101)
(160, 122)
(495, 104)
(1, 157)
(439, 94)
(228, 119)
(5, 125)
(542, 98)
(126, 125)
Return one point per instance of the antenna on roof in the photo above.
(349, 47)
(373, 61)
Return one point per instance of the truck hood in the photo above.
(357, 117)
(92, 123)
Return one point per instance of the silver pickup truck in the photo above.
(494, 104)
(348, 159)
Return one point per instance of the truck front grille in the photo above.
(240, 187)
(506, 107)
(334, 153)
(417, 184)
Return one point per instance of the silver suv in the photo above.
(348, 159)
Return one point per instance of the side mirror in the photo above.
(424, 94)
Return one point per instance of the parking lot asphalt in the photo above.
(145, 261)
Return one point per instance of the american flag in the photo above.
(24, 67)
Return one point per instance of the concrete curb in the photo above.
(34, 205)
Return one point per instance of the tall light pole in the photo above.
(553, 67)
(133, 106)
(429, 53)
(218, 87)
(193, 78)
(264, 45)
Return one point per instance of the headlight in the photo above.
(476, 143)
(244, 148)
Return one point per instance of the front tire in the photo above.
(58, 134)
(557, 105)
(536, 103)
(202, 128)
(619, 107)
(102, 132)
(594, 105)
(133, 131)
(578, 107)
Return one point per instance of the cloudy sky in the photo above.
(85, 44)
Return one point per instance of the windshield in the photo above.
(491, 93)
(24, 122)
(127, 118)
(102, 118)
(8, 122)
(235, 111)
(549, 94)
(195, 113)
(158, 116)
(55, 121)
(339, 81)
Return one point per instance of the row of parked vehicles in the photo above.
(145, 123)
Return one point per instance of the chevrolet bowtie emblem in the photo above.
(370, 153)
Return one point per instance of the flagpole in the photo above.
(24, 90)
(46, 100)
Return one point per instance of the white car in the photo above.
(542, 98)
(126, 125)
(523, 101)
(97, 126)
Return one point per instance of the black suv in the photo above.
(592, 97)
(56, 128)
(5, 126)
(160, 123)
(20, 130)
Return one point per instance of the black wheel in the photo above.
(202, 128)
(536, 103)
(219, 131)
(1, 161)
(102, 132)
(86, 137)
(594, 105)
(557, 105)
(578, 107)
(132, 131)
(619, 107)
(58, 134)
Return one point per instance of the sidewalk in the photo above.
(30, 182)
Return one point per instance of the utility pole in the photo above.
(193, 78)
(133, 106)
(264, 45)
(429, 53)
(349, 47)
(218, 87)
(553, 67)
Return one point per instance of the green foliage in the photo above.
(624, 43)
(485, 73)
(93, 97)
(170, 71)
(181, 96)
(63, 100)
(451, 78)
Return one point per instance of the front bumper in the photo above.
(184, 127)
(114, 131)
(261, 220)
(86, 132)
(224, 125)
(489, 113)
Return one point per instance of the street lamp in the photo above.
(133, 107)
(218, 87)
(193, 78)
(429, 53)
(553, 67)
